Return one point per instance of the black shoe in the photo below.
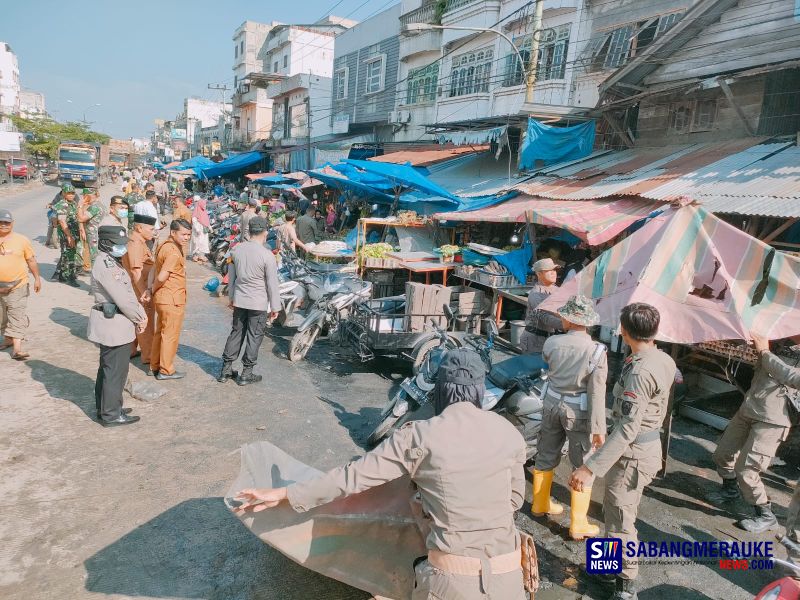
(72, 283)
(226, 373)
(248, 378)
(763, 521)
(120, 420)
(623, 590)
(126, 411)
(176, 375)
(728, 493)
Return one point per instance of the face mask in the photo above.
(122, 213)
(118, 251)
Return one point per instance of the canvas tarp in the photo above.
(555, 144)
(369, 540)
(593, 221)
(237, 162)
(709, 280)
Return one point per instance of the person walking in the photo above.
(162, 192)
(751, 439)
(180, 210)
(201, 225)
(631, 456)
(539, 324)
(467, 465)
(138, 262)
(307, 227)
(117, 212)
(250, 211)
(113, 322)
(168, 293)
(52, 223)
(70, 262)
(16, 259)
(255, 298)
(574, 410)
(287, 235)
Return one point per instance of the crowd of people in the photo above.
(136, 252)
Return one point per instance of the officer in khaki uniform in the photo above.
(467, 465)
(168, 292)
(540, 324)
(113, 322)
(574, 409)
(753, 435)
(631, 456)
(138, 262)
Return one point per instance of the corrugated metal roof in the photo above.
(423, 158)
(739, 176)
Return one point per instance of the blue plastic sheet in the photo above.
(237, 162)
(555, 144)
(518, 261)
(404, 175)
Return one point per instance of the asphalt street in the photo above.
(88, 512)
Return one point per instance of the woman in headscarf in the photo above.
(467, 465)
(201, 225)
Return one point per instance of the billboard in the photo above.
(177, 134)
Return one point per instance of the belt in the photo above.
(569, 398)
(467, 565)
(100, 308)
(648, 436)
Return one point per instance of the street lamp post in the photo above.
(85, 122)
(419, 27)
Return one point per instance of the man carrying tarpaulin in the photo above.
(473, 545)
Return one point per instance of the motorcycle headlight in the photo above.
(773, 594)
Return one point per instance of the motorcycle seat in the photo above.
(503, 373)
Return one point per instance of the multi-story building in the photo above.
(252, 108)
(9, 80)
(31, 104)
(198, 113)
(299, 59)
(365, 74)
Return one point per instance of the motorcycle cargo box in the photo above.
(525, 365)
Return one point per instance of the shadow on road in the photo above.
(358, 424)
(209, 363)
(75, 322)
(65, 385)
(171, 557)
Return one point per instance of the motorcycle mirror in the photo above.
(493, 327)
(448, 312)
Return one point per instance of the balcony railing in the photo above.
(423, 14)
(456, 4)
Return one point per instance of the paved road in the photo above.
(87, 512)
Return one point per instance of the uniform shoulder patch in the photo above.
(630, 395)
(109, 262)
(627, 407)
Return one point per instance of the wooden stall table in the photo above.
(413, 256)
(427, 267)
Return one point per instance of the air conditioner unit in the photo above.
(398, 117)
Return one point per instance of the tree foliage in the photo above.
(42, 136)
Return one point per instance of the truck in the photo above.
(122, 154)
(80, 163)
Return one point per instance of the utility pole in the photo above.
(222, 89)
(308, 132)
(530, 76)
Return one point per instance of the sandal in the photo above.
(21, 356)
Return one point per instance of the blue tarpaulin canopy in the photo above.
(403, 176)
(191, 163)
(270, 179)
(555, 144)
(346, 184)
(236, 162)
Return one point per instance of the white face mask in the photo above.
(118, 250)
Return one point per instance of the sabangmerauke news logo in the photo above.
(603, 556)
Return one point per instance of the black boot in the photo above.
(247, 377)
(728, 493)
(226, 373)
(763, 521)
(623, 590)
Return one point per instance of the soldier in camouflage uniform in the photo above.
(69, 234)
(90, 214)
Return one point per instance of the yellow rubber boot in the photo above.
(542, 503)
(579, 526)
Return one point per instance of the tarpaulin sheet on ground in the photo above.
(593, 221)
(710, 280)
(369, 540)
(237, 162)
(555, 144)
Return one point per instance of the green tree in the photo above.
(42, 136)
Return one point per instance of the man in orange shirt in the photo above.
(168, 292)
(16, 257)
(138, 262)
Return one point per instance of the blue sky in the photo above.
(138, 60)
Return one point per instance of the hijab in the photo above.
(200, 213)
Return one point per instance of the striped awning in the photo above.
(593, 221)
(709, 280)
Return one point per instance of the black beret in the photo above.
(145, 219)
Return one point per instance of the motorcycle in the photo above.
(341, 293)
(786, 588)
(512, 389)
(306, 289)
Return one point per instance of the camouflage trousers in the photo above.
(70, 263)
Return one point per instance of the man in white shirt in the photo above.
(148, 207)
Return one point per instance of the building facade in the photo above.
(9, 80)
(197, 114)
(365, 75)
(32, 104)
(252, 108)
